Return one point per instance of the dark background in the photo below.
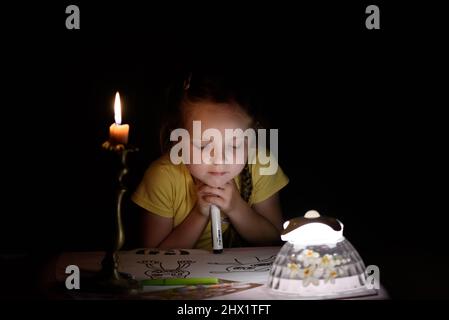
(358, 112)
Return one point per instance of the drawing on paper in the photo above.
(261, 265)
(156, 270)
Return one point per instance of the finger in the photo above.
(218, 201)
(201, 189)
(199, 185)
(211, 190)
(231, 184)
(228, 190)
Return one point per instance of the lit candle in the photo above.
(118, 132)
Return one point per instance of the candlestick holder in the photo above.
(109, 279)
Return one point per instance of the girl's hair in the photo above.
(216, 88)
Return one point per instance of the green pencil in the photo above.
(178, 281)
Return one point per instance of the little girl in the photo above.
(176, 197)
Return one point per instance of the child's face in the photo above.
(213, 170)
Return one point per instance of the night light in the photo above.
(317, 261)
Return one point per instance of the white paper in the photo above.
(239, 264)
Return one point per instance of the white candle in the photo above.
(118, 132)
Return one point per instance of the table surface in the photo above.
(247, 285)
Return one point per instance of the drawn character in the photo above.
(158, 271)
(260, 266)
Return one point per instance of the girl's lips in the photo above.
(217, 173)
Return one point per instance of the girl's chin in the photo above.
(215, 182)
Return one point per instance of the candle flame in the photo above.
(118, 109)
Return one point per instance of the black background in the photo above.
(358, 112)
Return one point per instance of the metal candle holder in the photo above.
(109, 279)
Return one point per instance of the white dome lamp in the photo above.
(317, 261)
(313, 229)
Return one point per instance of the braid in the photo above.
(246, 183)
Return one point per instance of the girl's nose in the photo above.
(217, 156)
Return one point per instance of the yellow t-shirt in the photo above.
(168, 190)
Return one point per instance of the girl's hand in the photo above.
(227, 197)
(202, 204)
